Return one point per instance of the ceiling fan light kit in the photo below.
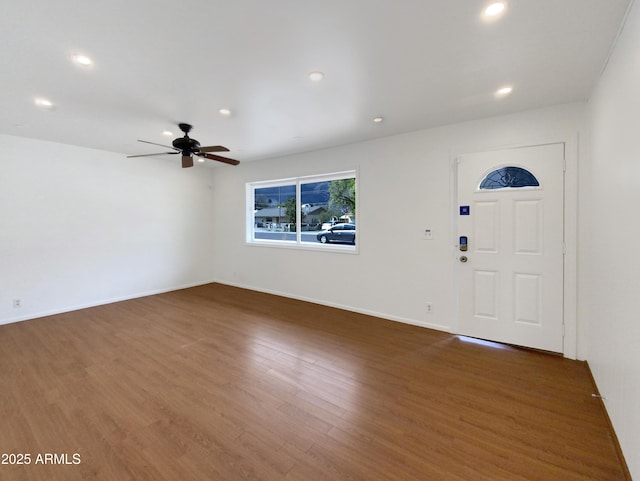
(189, 147)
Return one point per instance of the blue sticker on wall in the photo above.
(464, 210)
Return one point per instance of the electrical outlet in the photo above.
(429, 307)
(16, 303)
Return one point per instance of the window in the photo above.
(304, 211)
(509, 177)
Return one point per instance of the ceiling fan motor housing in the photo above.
(186, 144)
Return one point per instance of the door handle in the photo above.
(463, 259)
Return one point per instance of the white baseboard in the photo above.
(381, 315)
(101, 302)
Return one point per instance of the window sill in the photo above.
(335, 248)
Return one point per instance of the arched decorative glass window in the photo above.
(509, 177)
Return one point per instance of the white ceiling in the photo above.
(417, 63)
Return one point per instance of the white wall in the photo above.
(80, 227)
(609, 266)
(404, 186)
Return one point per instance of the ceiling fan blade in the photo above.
(149, 155)
(220, 159)
(187, 161)
(160, 145)
(214, 148)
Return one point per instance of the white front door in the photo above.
(511, 275)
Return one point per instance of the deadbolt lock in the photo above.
(463, 259)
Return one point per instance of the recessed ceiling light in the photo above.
(167, 133)
(201, 159)
(501, 92)
(494, 9)
(316, 76)
(43, 103)
(226, 112)
(81, 59)
(377, 120)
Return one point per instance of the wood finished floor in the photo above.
(218, 383)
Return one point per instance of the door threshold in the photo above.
(503, 345)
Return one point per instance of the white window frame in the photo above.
(297, 181)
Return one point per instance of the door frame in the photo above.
(570, 229)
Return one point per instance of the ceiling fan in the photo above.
(189, 147)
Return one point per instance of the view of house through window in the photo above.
(318, 210)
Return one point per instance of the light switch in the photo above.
(428, 234)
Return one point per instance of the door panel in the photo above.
(528, 227)
(486, 294)
(511, 283)
(486, 226)
(528, 298)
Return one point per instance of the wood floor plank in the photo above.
(216, 382)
